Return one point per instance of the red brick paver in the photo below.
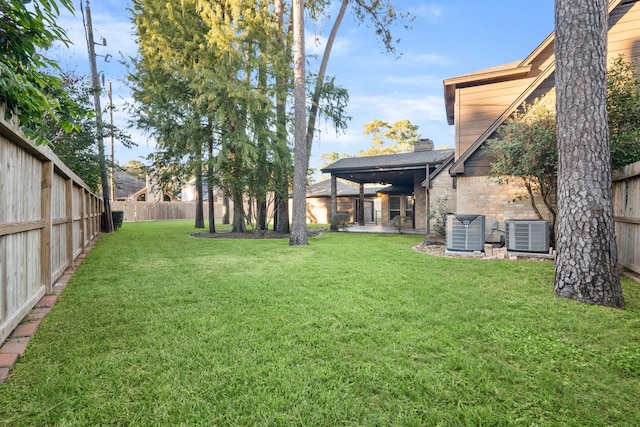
(7, 360)
(47, 301)
(26, 329)
(15, 345)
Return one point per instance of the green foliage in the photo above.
(118, 218)
(340, 221)
(159, 328)
(437, 213)
(623, 110)
(398, 222)
(526, 154)
(77, 147)
(136, 169)
(27, 29)
(401, 134)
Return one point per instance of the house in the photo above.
(409, 178)
(126, 187)
(348, 201)
(478, 103)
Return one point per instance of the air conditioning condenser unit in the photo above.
(527, 236)
(465, 232)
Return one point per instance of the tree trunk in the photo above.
(239, 223)
(225, 209)
(199, 202)
(298, 235)
(315, 99)
(282, 209)
(212, 212)
(281, 217)
(586, 267)
(210, 170)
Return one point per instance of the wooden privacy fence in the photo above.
(626, 211)
(47, 217)
(154, 211)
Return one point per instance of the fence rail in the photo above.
(47, 217)
(626, 211)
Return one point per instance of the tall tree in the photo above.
(27, 90)
(386, 138)
(586, 265)
(298, 235)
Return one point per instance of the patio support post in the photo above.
(427, 201)
(334, 203)
(361, 210)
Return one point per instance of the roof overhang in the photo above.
(395, 176)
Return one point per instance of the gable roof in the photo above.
(505, 72)
(126, 185)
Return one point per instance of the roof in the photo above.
(504, 72)
(398, 169)
(126, 185)
(323, 189)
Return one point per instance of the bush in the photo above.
(340, 220)
(118, 218)
(398, 222)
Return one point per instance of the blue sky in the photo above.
(447, 39)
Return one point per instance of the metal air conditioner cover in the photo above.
(527, 235)
(465, 232)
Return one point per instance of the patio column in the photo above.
(361, 210)
(334, 203)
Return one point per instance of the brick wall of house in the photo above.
(420, 205)
(483, 195)
(442, 191)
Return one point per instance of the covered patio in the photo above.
(404, 173)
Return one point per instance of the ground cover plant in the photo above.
(160, 328)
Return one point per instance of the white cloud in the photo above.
(430, 12)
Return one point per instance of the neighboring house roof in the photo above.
(511, 71)
(323, 189)
(126, 185)
(388, 169)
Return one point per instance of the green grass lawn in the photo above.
(157, 328)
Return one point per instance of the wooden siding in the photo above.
(37, 207)
(480, 106)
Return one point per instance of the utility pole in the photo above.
(96, 99)
(112, 175)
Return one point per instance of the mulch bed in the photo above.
(253, 234)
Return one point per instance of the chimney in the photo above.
(423, 145)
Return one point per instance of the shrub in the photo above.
(340, 220)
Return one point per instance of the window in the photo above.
(394, 206)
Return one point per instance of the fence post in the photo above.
(45, 216)
(68, 194)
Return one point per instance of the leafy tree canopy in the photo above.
(28, 28)
(401, 135)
